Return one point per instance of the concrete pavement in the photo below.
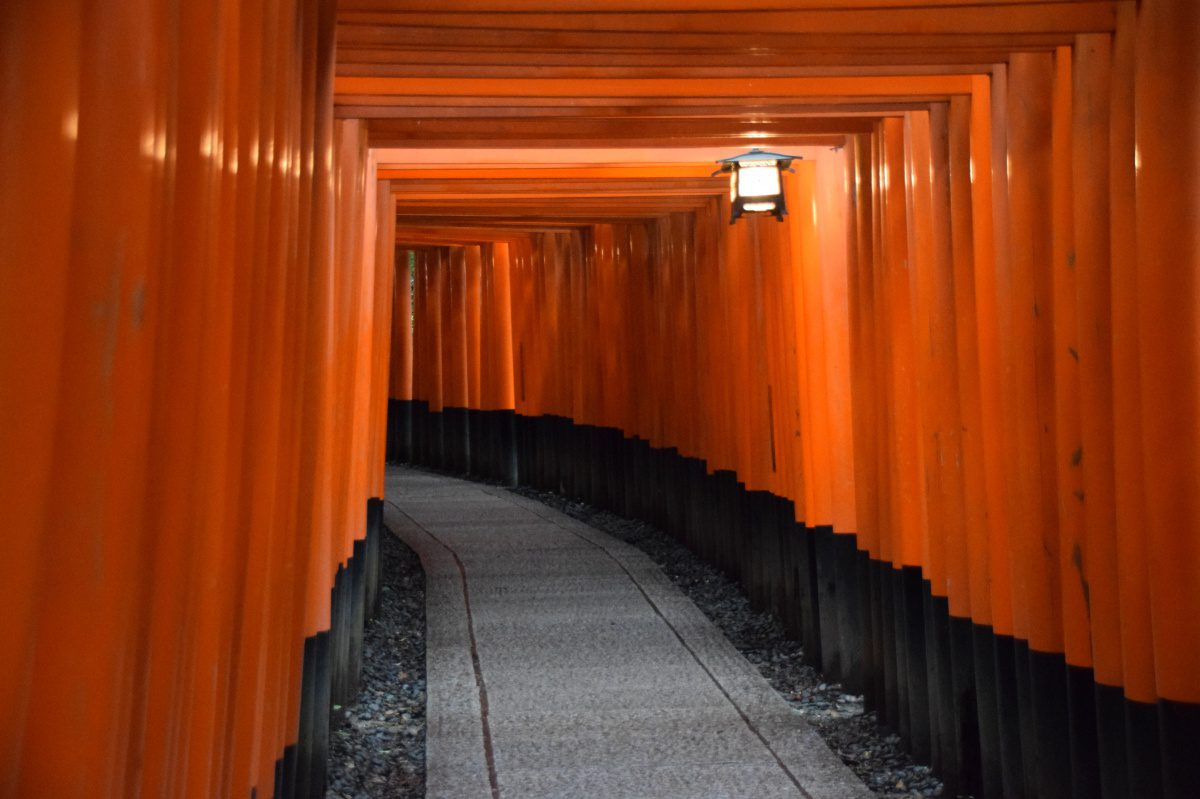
(562, 663)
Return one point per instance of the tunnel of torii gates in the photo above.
(944, 420)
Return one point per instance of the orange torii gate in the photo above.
(941, 420)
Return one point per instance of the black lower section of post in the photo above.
(312, 744)
(1144, 750)
(1081, 715)
(988, 709)
(374, 559)
(399, 445)
(1179, 734)
(332, 664)
(1110, 741)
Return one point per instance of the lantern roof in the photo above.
(759, 155)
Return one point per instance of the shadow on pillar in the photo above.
(332, 664)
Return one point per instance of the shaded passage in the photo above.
(871, 750)
(562, 662)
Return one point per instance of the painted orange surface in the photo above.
(972, 345)
(650, 87)
(1167, 166)
(186, 373)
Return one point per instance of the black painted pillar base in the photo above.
(1179, 732)
(332, 664)
(374, 558)
(307, 776)
(399, 445)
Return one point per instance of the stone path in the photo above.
(562, 663)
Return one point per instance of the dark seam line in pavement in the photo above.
(749, 724)
(480, 685)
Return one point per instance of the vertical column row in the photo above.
(189, 363)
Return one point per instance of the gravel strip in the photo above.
(377, 746)
(871, 751)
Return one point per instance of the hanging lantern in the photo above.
(756, 182)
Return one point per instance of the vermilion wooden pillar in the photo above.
(1033, 484)
(1167, 164)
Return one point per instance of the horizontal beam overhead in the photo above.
(1080, 16)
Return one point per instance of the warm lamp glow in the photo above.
(755, 185)
(758, 181)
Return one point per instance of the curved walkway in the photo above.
(562, 663)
